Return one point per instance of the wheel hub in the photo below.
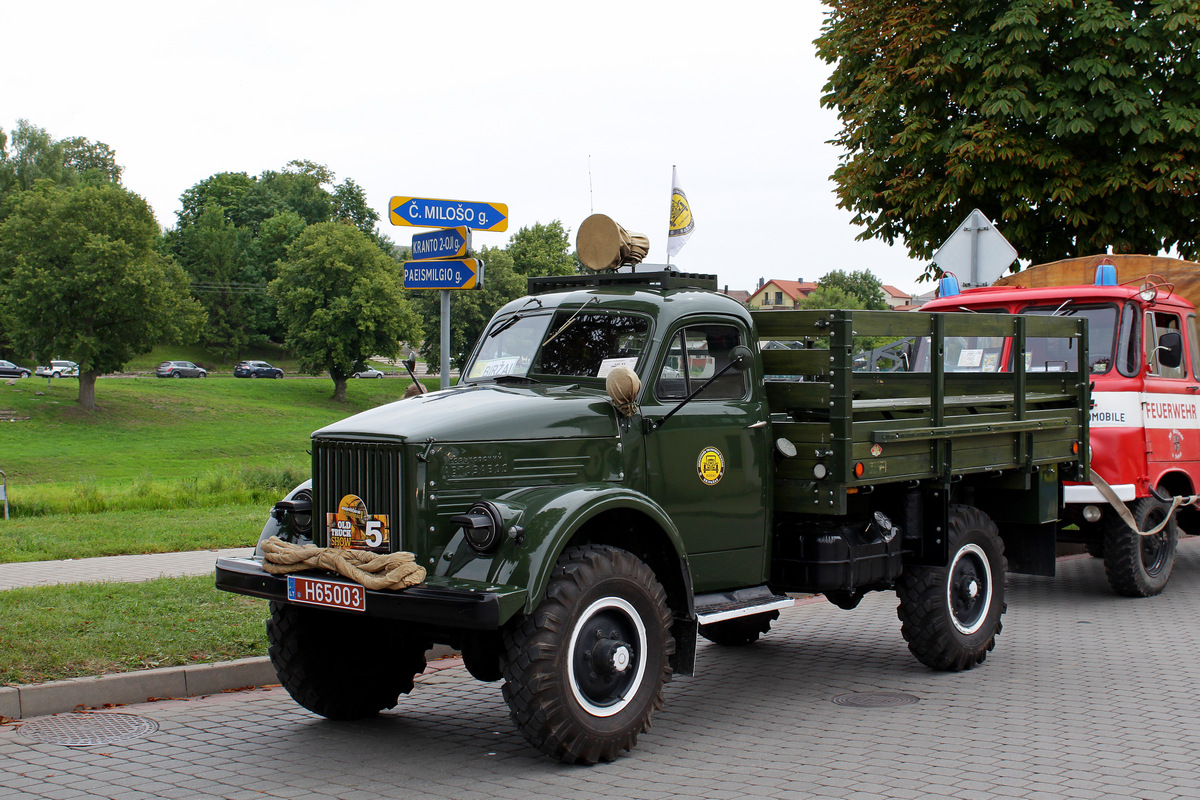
(610, 655)
(969, 590)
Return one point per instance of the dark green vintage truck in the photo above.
(576, 544)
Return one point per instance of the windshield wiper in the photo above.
(514, 319)
(514, 379)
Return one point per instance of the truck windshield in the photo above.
(1060, 355)
(576, 343)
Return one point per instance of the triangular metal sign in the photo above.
(976, 252)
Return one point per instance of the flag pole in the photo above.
(669, 220)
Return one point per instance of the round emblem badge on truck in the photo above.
(710, 465)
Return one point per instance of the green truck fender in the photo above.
(555, 517)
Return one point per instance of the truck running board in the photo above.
(719, 606)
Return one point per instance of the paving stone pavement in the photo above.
(1087, 695)
(114, 568)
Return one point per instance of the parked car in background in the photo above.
(256, 369)
(369, 372)
(10, 370)
(58, 369)
(180, 369)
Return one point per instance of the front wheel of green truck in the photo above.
(950, 616)
(585, 671)
(341, 666)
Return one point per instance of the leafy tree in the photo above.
(532, 252)
(860, 283)
(231, 287)
(831, 297)
(1075, 123)
(264, 215)
(341, 301)
(35, 155)
(83, 279)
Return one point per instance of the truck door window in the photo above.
(1158, 323)
(1191, 344)
(696, 354)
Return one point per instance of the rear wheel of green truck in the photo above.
(585, 671)
(1135, 565)
(950, 615)
(339, 665)
(739, 630)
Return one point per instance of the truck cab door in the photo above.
(709, 465)
(1170, 405)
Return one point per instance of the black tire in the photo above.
(253, 374)
(1140, 566)
(950, 616)
(339, 665)
(279, 375)
(203, 374)
(604, 613)
(739, 630)
(176, 375)
(379, 376)
(56, 375)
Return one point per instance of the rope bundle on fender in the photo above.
(372, 570)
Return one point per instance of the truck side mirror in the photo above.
(741, 357)
(410, 363)
(1170, 350)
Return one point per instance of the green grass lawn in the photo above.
(51, 537)
(175, 464)
(56, 632)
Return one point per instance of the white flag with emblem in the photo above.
(681, 218)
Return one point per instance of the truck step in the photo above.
(719, 606)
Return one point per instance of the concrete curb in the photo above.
(126, 688)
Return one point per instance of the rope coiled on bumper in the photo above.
(372, 570)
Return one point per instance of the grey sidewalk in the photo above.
(113, 568)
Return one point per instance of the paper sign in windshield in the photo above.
(609, 364)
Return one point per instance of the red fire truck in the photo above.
(1144, 357)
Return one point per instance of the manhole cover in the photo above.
(82, 730)
(875, 699)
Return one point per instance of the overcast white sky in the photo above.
(485, 101)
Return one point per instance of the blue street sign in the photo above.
(423, 212)
(466, 273)
(446, 243)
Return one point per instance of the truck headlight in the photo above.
(481, 526)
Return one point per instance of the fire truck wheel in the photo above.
(1140, 566)
(739, 630)
(341, 666)
(950, 616)
(584, 672)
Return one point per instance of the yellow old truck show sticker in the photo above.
(352, 527)
(710, 465)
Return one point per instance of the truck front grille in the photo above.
(367, 470)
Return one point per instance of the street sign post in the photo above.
(424, 212)
(976, 252)
(444, 243)
(465, 273)
(439, 261)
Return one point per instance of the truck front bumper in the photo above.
(439, 602)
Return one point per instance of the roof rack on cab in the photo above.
(649, 280)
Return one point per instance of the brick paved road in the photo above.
(1087, 696)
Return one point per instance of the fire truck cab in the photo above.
(1144, 367)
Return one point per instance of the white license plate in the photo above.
(330, 594)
